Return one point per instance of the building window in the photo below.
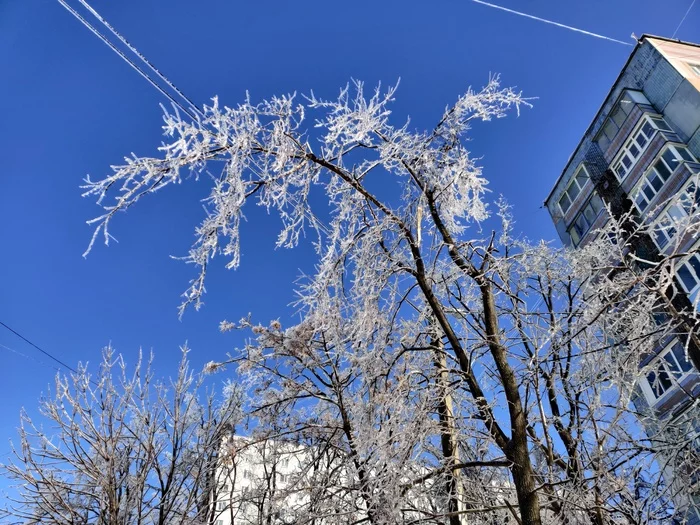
(284, 462)
(572, 191)
(658, 175)
(660, 124)
(585, 218)
(247, 474)
(636, 145)
(219, 522)
(688, 273)
(687, 427)
(666, 227)
(667, 224)
(618, 116)
(221, 505)
(281, 477)
(667, 370)
(695, 68)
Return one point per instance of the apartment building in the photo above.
(639, 156)
(263, 479)
(277, 482)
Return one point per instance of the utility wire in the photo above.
(314, 221)
(125, 58)
(683, 19)
(26, 356)
(135, 51)
(563, 26)
(47, 354)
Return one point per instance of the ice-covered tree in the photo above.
(119, 447)
(454, 370)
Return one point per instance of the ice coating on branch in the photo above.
(266, 152)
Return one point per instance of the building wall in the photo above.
(258, 477)
(662, 71)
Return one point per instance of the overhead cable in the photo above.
(145, 60)
(194, 108)
(125, 58)
(47, 354)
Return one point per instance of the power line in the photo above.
(47, 354)
(313, 220)
(546, 21)
(125, 58)
(141, 56)
(683, 19)
(26, 356)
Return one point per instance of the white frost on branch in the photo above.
(270, 157)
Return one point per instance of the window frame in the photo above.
(574, 226)
(646, 190)
(659, 363)
(687, 201)
(693, 433)
(625, 160)
(628, 98)
(574, 182)
(694, 271)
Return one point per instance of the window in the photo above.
(636, 145)
(617, 117)
(660, 123)
(585, 218)
(281, 477)
(284, 462)
(572, 191)
(666, 226)
(659, 315)
(221, 505)
(247, 474)
(695, 68)
(688, 273)
(668, 370)
(687, 427)
(658, 174)
(219, 522)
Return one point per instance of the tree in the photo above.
(122, 448)
(432, 357)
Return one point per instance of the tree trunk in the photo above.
(517, 450)
(448, 435)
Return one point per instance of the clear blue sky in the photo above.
(69, 107)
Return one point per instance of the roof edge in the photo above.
(595, 118)
(640, 41)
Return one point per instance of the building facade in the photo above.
(638, 159)
(261, 482)
(275, 482)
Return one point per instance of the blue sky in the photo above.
(69, 107)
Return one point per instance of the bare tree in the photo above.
(121, 448)
(452, 371)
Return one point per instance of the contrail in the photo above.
(596, 35)
(683, 19)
